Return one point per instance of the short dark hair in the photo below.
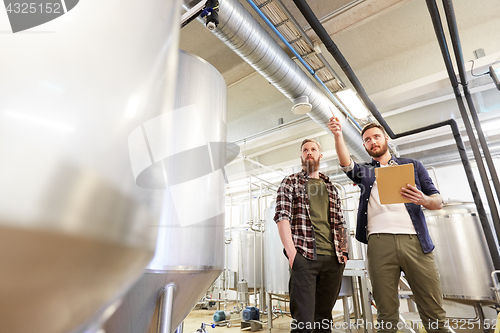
(372, 125)
(310, 140)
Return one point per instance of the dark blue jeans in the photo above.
(314, 287)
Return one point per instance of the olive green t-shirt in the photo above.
(319, 211)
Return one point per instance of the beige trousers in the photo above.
(388, 255)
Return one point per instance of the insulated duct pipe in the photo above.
(302, 61)
(245, 36)
(457, 48)
(333, 49)
(438, 28)
(339, 57)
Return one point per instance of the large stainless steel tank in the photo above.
(245, 254)
(275, 261)
(245, 251)
(251, 253)
(75, 229)
(461, 252)
(190, 248)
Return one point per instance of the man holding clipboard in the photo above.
(395, 230)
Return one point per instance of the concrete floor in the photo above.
(280, 324)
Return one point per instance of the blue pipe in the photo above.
(302, 61)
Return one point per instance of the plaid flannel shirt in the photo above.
(292, 204)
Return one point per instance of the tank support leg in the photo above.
(270, 312)
(166, 309)
(180, 329)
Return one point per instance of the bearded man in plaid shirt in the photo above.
(313, 232)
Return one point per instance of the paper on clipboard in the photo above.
(391, 179)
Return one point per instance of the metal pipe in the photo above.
(166, 309)
(355, 300)
(269, 311)
(347, 315)
(231, 218)
(262, 229)
(333, 49)
(488, 233)
(250, 199)
(225, 285)
(339, 57)
(263, 166)
(301, 60)
(241, 32)
(274, 129)
(265, 181)
(180, 328)
(255, 268)
(435, 177)
(455, 38)
(438, 28)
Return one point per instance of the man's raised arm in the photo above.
(340, 146)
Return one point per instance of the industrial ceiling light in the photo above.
(495, 74)
(301, 105)
(353, 103)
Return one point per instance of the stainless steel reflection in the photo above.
(461, 252)
(275, 262)
(190, 246)
(74, 226)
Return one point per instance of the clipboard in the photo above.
(391, 179)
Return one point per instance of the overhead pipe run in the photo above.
(246, 37)
(303, 62)
(455, 38)
(438, 28)
(342, 62)
(333, 49)
(488, 233)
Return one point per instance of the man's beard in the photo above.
(381, 151)
(310, 165)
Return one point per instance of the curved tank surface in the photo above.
(190, 246)
(75, 228)
(275, 262)
(461, 252)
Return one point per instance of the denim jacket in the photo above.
(364, 176)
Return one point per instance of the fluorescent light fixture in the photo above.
(495, 74)
(40, 121)
(353, 103)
